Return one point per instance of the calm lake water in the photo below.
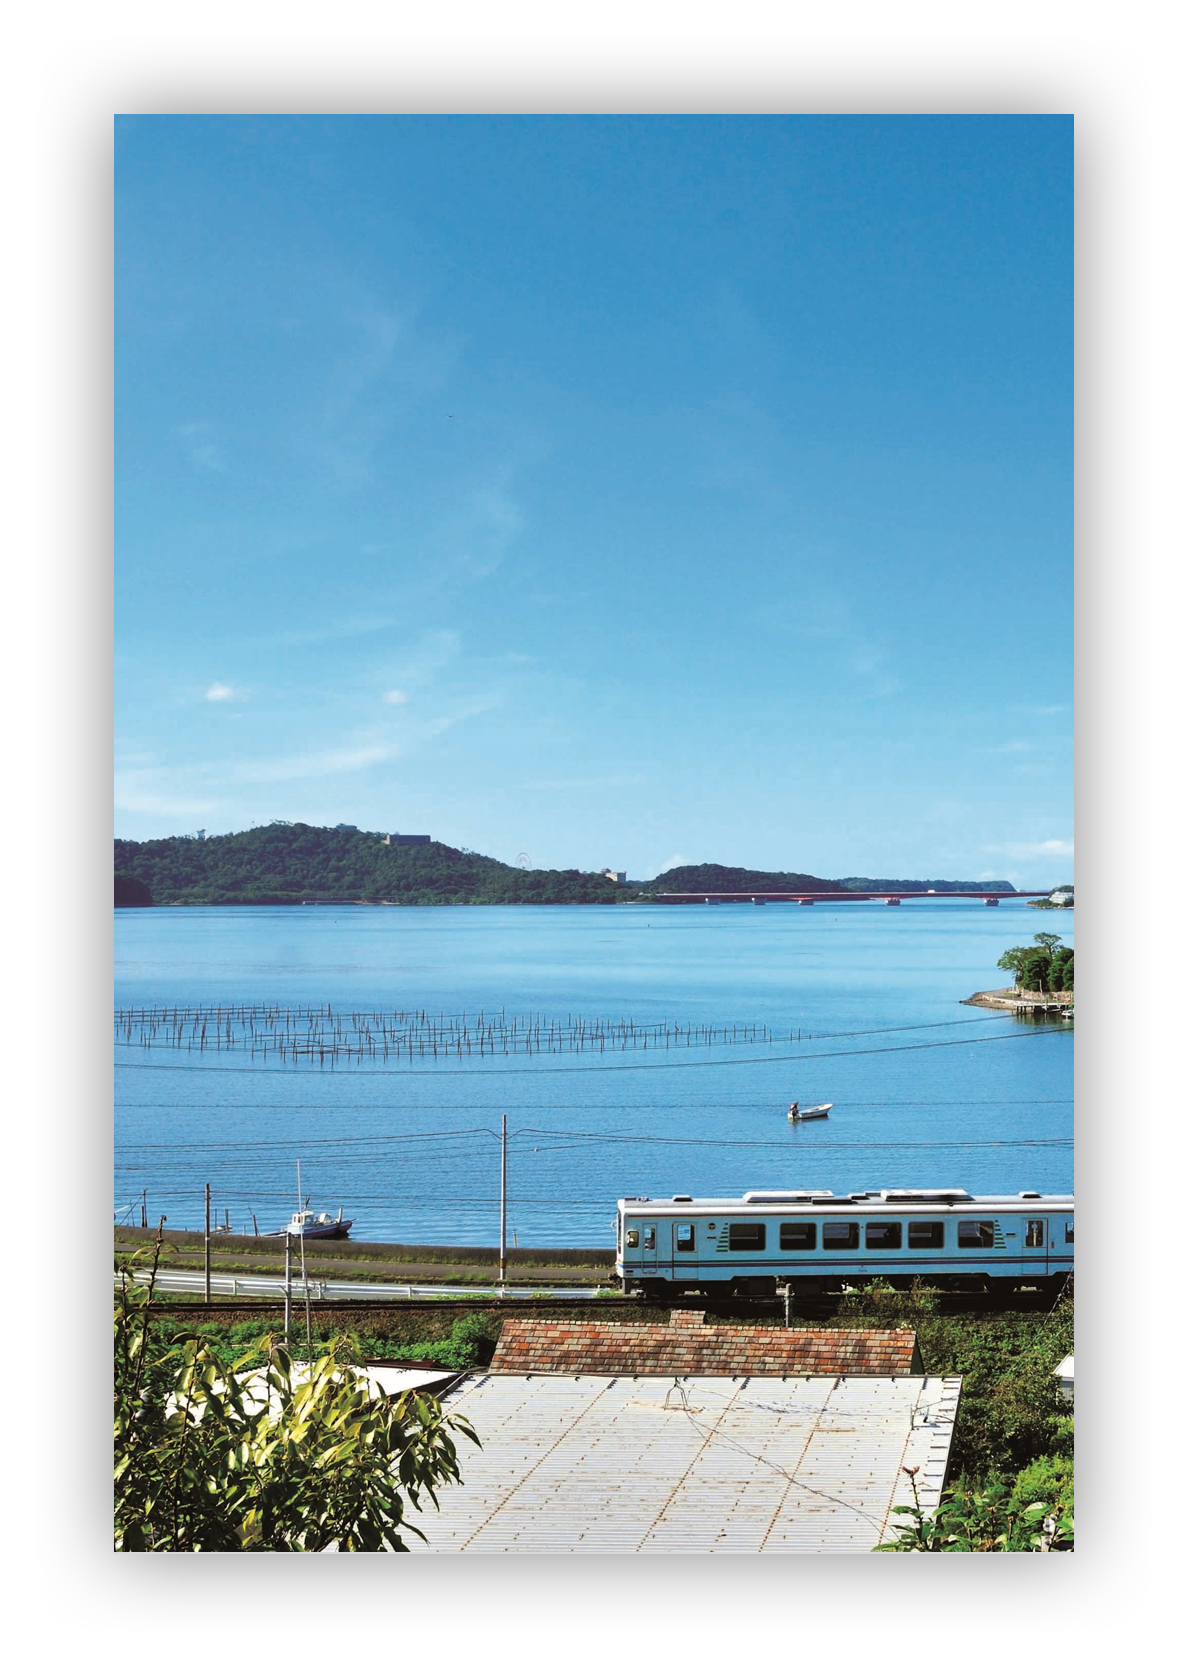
(926, 1092)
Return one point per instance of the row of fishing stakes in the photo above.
(325, 1036)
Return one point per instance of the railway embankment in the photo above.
(366, 1261)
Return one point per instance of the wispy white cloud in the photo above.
(563, 783)
(390, 367)
(468, 709)
(200, 446)
(132, 793)
(377, 333)
(1034, 744)
(394, 697)
(856, 649)
(1034, 848)
(431, 654)
(329, 761)
(356, 627)
(225, 692)
(476, 536)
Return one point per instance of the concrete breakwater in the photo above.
(1021, 1001)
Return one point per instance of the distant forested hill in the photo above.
(715, 877)
(860, 883)
(130, 893)
(297, 863)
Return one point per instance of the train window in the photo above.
(684, 1236)
(1034, 1237)
(975, 1234)
(1068, 1227)
(926, 1236)
(649, 1237)
(884, 1236)
(798, 1236)
(839, 1236)
(748, 1236)
(633, 1239)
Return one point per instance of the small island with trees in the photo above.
(1043, 973)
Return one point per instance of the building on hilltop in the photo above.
(408, 839)
(617, 875)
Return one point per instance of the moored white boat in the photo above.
(798, 1114)
(306, 1224)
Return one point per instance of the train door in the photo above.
(649, 1256)
(684, 1248)
(1036, 1238)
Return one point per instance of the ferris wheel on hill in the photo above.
(523, 861)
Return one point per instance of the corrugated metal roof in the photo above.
(585, 1464)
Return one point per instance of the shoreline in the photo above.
(1013, 1001)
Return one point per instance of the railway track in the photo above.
(817, 1310)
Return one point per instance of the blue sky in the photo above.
(619, 490)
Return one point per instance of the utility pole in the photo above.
(288, 1284)
(206, 1246)
(144, 1209)
(503, 1202)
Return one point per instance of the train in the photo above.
(816, 1243)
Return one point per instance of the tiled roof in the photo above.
(689, 1348)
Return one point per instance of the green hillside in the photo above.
(715, 877)
(296, 863)
(862, 883)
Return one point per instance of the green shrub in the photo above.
(1049, 1479)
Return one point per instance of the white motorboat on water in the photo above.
(798, 1114)
(307, 1224)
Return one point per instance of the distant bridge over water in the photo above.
(889, 897)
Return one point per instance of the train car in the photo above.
(818, 1242)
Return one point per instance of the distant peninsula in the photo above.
(296, 863)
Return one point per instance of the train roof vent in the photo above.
(1031, 1195)
(924, 1195)
(835, 1198)
(777, 1198)
(682, 1198)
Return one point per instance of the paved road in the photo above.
(256, 1285)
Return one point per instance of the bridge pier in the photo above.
(991, 903)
